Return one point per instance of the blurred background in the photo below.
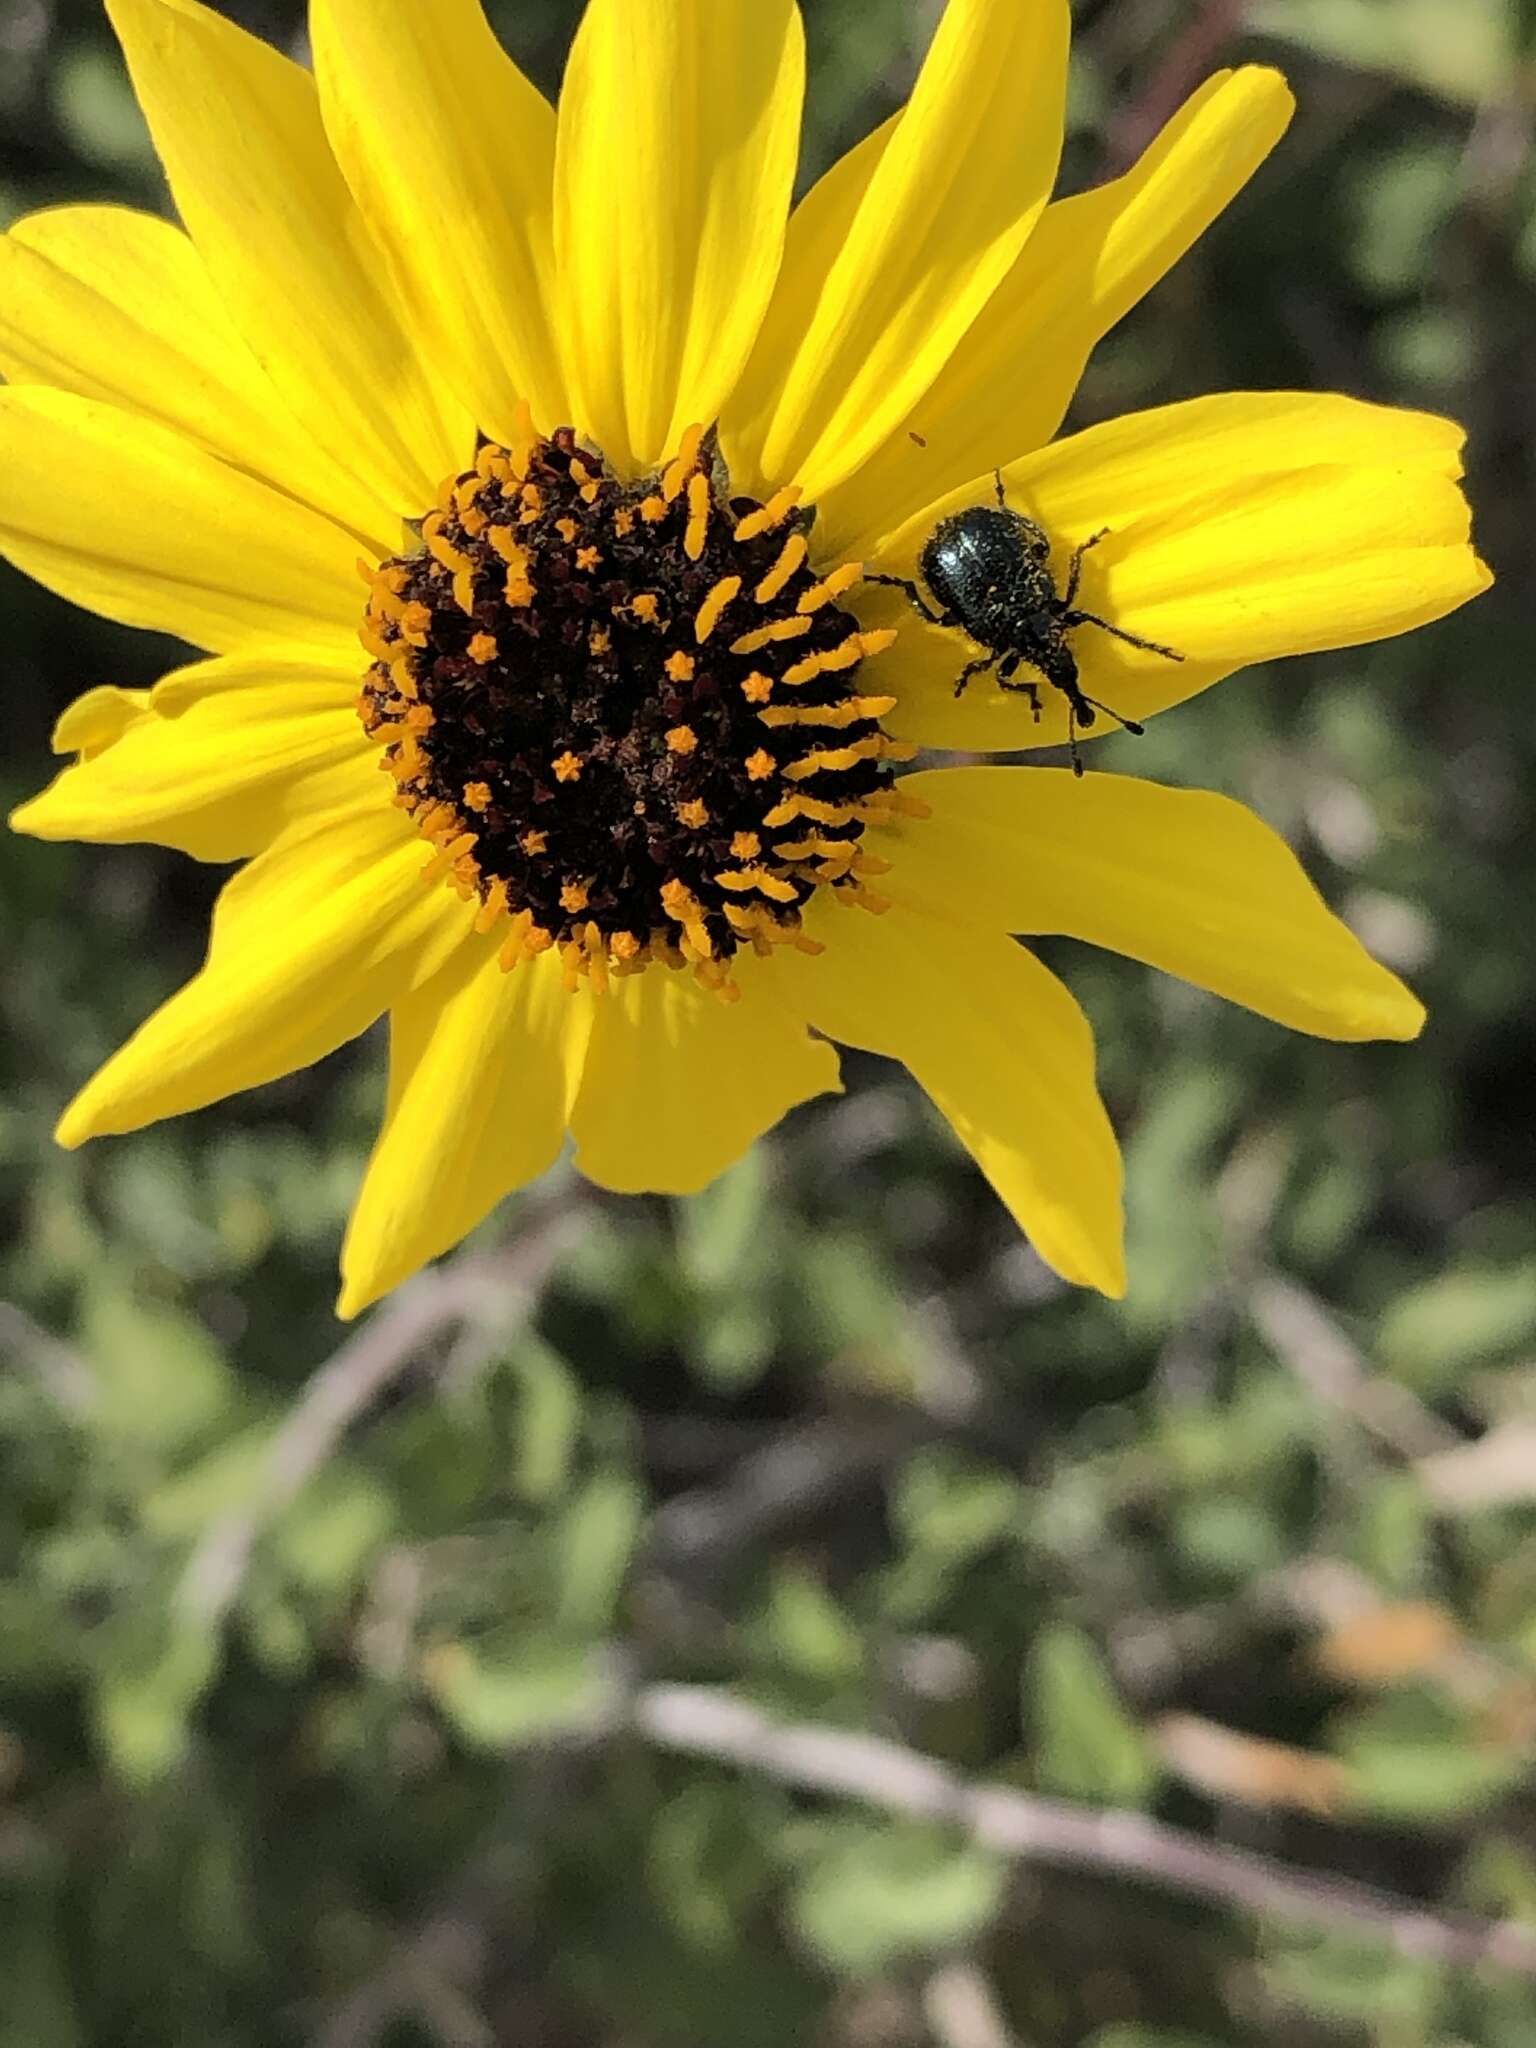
(424, 1686)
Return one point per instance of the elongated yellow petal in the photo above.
(119, 306)
(1239, 528)
(679, 125)
(134, 521)
(238, 129)
(449, 152)
(1006, 388)
(678, 1084)
(818, 228)
(850, 346)
(1185, 880)
(98, 718)
(1005, 1053)
(225, 755)
(483, 1069)
(313, 940)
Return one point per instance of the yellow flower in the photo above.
(643, 708)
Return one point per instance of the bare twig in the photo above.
(61, 1371)
(1304, 1336)
(959, 2006)
(704, 1721)
(495, 1291)
(799, 1472)
(1494, 1472)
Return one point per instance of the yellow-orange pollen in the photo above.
(628, 717)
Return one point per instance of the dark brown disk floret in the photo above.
(629, 716)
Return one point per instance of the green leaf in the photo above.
(1088, 1746)
(733, 1344)
(1170, 1215)
(142, 1704)
(97, 110)
(161, 1377)
(1415, 1759)
(1346, 1976)
(1458, 50)
(1465, 1317)
(1426, 1782)
(1133, 2035)
(549, 1411)
(724, 1233)
(593, 1543)
(808, 1632)
(869, 1893)
(947, 1506)
(514, 1688)
(330, 1534)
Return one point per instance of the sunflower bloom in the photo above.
(477, 443)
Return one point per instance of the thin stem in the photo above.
(703, 1721)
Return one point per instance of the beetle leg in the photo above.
(974, 668)
(1075, 567)
(997, 483)
(914, 596)
(1030, 691)
(1072, 725)
(1075, 618)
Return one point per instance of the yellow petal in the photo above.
(850, 345)
(1005, 1053)
(225, 754)
(449, 152)
(238, 129)
(1187, 881)
(99, 718)
(1090, 259)
(1240, 528)
(134, 521)
(311, 942)
(483, 1068)
(678, 1084)
(119, 306)
(679, 126)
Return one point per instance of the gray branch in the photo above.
(705, 1722)
(495, 1292)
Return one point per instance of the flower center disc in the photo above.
(628, 715)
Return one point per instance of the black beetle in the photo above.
(989, 568)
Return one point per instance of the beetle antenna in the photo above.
(1125, 724)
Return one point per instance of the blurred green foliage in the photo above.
(828, 1437)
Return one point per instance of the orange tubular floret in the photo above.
(494, 908)
(516, 943)
(698, 516)
(445, 857)
(764, 636)
(849, 712)
(708, 615)
(681, 467)
(812, 848)
(767, 517)
(762, 879)
(832, 586)
(791, 556)
(828, 760)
